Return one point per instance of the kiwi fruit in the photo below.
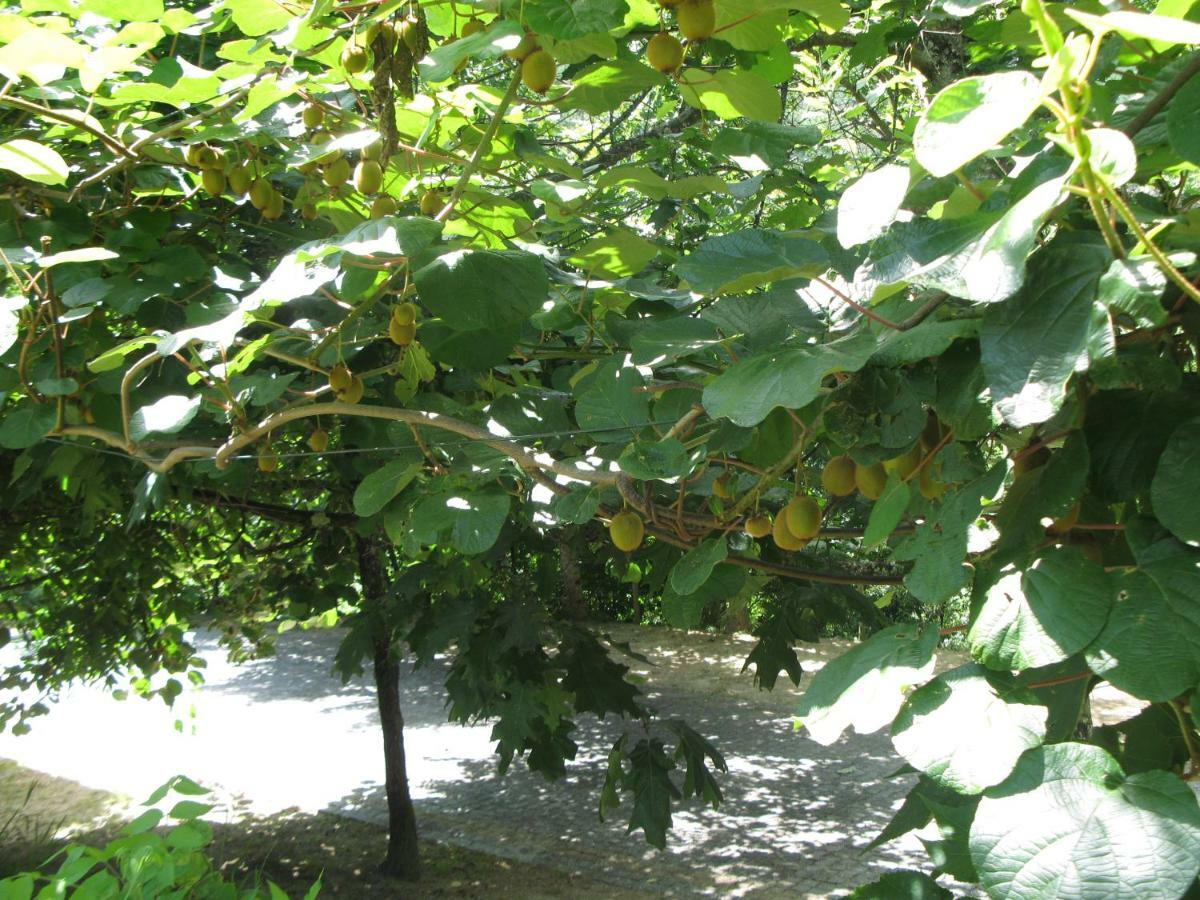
(404, 313)
(758, 525)
(627, 531)
(783, 537)
(239, 180)
(697, 19)
(336, 173)
(870, 480)
(354, 392)
(931, 488)
(904, 464)
(313, 116)
(409, 31)
(431, 203)
(318, 441)
(373, 150)
(538, 71)
(803, 517)
(274, 208)
(340, 378)
(261, 193)
(721, 487)
(354, 59)
(529, 43)
(308, 211)
(838, 476)
(192, 154)
(471, 26)
(213, 181)
(383, 206)
(268, 460)
(368, 176)
(664, 52)
(402, 335)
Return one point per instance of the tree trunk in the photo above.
(575, 606)
(402, 860)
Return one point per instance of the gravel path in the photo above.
(283, 733)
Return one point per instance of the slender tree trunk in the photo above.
(402, 860)
(575, 606)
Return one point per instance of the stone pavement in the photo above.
(283, 733)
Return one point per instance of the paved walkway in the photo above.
(283, 733)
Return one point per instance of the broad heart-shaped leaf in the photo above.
(442, 62)
(646, 460)
(469, 520)
(748, 390)
(33, 161)
(1151, 644)
(1127, 432)
(971, 116)
(167, 415)
(377, 490)
(568, 19)
(1032, 345)
(1069, 824)
(731, 94)
(610, 400)
(1176, 484)
(665, 340)
(865, 687)
(618, 253)
(887, 511)
(607, 84)
(1043, 615)
(966, 729)
(685, 610)
(1183, 121)
(483, 289)
(939, 546)
(24, 426)
(979, 257)
(695, 566)
(870, 205)
(737, 262)
(760, 146)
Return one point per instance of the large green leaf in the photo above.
(568, 19)
(24, 426)
(760, 146)
(1150, 646)
(695, 566)
(33, 161)
(647, 460)
(967, 728)
(1032, 345)
(748, 391)
(736, 262)
(618, 253)
(907, 885)
(607, 84)
(1183, 121)
(971, 116)
(1127, 432)
(611, 399)
(865, 687)
(686, 610)
(1176, 484)
(377, 490)
(1044, 614)
(469, 520)
(442, 62)
(887, 511)
(731, 94)
(167, 415)
(483, 289)
(1069, 824)
(871, 204)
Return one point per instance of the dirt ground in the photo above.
(39, 812)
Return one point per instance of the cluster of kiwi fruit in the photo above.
(218, 175)
(842, 476)
(335, 170)
(346, 386)
(356, 55)
(538, 67)
(697, 20)
(402, 327)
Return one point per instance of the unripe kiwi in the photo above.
(803, 517)
(838, 476)
(318, 441)
(904, 464)
(388, 32)
(627, 531)
(192, 154)
(471, 26)
(313, 116)
(355, 59)
(354, 392)
(721, 487)
(308, 211)
(410, 32)
(697, 19)
(336, 173)
(206, 157)
(261, 193)
(931, 488)
(213, 181)
(783, 537)
(538, 71)
(402, 335)
(528, 44)
(431, 203)
(870, 480)
(324, 137)
(404, 313)
(758, 525)
(239, 180)
(268, 460)
(274, 207)
(373, 150)
(368, 176)
(664, 52)
(340, 377)
(383, 206)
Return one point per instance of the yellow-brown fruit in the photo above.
(213, 181)
(274, 208)
(324, 137)
(528, 44)
(261, 193)
(905, 464)
(313, 116)
(803, 517)
(340, 378)
(431, 203)
(206, 157)
(783, 537)
(268, 460)
(697, 19)
(354, 392)
(239, 180)
(192, 154)
(402, 335)
(931, 488)
(308, 211)
(721, 487)
(382, 206)
(368, 176)
(410, 32)
(664, 52)
(471, 26)
(388, 32)
(355, 59)
(838, 476)
(1064, 523)
(870, 480)
(336, 173)
(373, 150)
(758, 525)
(404, 313)
(318, 441)
(627, 531)
(538, 71)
